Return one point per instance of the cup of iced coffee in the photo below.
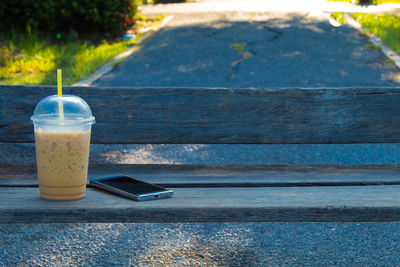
(62, 127)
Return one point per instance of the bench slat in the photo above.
(219, 116)
(268, 204)
(220, 176)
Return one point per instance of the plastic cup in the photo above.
(62, 146)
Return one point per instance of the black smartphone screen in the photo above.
(131, 185)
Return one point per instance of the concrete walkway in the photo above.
(201, 244)
(218, 46)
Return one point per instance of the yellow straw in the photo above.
(59, 93)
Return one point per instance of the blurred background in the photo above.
(220, 43)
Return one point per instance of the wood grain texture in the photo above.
(224, 176)
(219, 116)
(269, 204)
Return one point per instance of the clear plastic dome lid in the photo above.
(74, 110)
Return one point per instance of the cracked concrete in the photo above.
(281, 50)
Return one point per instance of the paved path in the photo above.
(248, 49)
(201, 244)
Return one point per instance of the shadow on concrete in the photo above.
(295, 51)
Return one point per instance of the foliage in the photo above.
(32, 58)
(143, 22)
(68, 17)
(386, 27)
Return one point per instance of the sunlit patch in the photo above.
(336, 19)
(292, 54)
(151, 154)
(314, 28)
(156, 47)
(392, 76)
(193, 67)
(221, 25)
(187, 246)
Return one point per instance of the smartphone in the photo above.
(130, 187)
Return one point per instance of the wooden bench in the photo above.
(231, 155)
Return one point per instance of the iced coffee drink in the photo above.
(62, 147)
(62, 160)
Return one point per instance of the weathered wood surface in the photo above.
(211, 116)
(216, 193)
(224, 176)
(267, 204)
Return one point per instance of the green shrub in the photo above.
(84, 17)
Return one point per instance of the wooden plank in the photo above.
(268, 204)
(212, 116)
(220, 176)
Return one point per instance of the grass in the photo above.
(31, 59)
(338, 16)
(374, 47)
(386, 27)
(238, 47)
